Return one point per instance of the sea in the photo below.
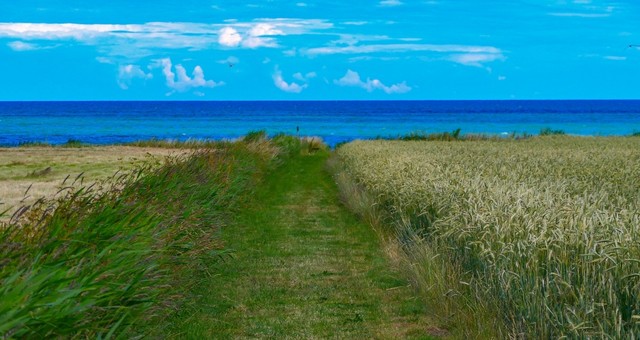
(110, 122)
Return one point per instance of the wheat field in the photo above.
(548, 228)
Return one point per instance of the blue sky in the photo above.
(319, 50)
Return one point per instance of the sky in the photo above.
(319, 50)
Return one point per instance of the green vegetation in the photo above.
(74, 143)
(27, 144)
(490, 238)
(111, 258)
(302, 267)
(454, 135)
(70, 143)
(253, 136)
(542, 233)
(549, 132)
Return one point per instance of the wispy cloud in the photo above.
(180, 81)
(127, 73)
(353, 39)
(615, 58)
(461, 54)
(584, 9)
(304, 77)
(21, 46)
(352, 79)
(475, 59)
(580, 15)
(231, 60)
(355, 23)
(399, 48)
(390, 3)
(138, 40)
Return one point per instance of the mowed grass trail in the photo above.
(303, 267)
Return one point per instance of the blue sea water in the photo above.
(334, 121)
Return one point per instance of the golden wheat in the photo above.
(548, 227)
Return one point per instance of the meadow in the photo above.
(527, 238)
(28, 173)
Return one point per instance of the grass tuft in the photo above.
(547, 131)
(255, 136)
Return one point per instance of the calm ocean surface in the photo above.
(335, 121)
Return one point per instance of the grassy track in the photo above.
(303, 267)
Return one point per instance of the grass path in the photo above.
(303, 267)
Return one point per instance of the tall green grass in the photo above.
(547, 229)
(113, 258)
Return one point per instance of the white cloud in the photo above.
(231, 60)
(184, 83)
(585, 10)
(104, 60)
(399, 48)
(304, 77)
(616, 58)
(228, 36)
(127, 73)
(355, 23)
(301, 4)
(580, 15)
(390, 3)
(140, 40)
(261, 35)
(290, 52)
(352, 79)
(475, 59)
(280, 83)
(353, 39)
(502, 78)
(368, 58)
(463, 54)
(21, 46)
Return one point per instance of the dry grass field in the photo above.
(42, 170)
